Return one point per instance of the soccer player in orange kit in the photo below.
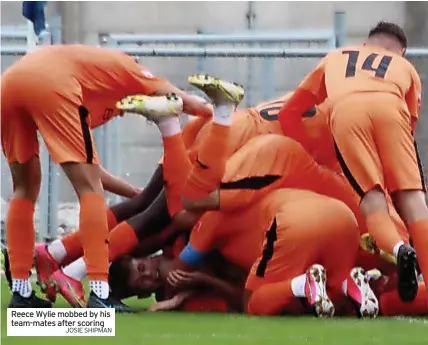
(375, 98)
(61, 91)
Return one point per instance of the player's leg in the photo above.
(357, 149)
(177, 166)
(20, 232)
(75, 152)
(141, 202)
(208, 170)
(339, 249)
(48, 258)
(406, 182)
(21, 148)
(68, 248)
(139, 230)
(285, 272)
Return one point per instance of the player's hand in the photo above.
(183, 279)
(170, 304)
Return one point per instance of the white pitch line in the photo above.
(412, 320)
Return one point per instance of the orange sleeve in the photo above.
(203, 237)
(310, 92)
(414, 99)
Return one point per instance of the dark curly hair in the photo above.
(119, 274)
(391, 29)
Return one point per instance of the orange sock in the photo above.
(122, 240)
(73, 247)
(176, 169)
(274, 299)
(383, 230)
(208, 170)
(391, 304)
(419, 233)
(73, 244)
(94, 234)
(20, 236)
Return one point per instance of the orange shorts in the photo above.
(31, 103)
(306, 228)
(374, 143)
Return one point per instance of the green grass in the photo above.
(222, 329)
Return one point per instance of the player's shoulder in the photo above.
(411, 68)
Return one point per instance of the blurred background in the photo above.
(266, 46)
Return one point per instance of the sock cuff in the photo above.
(24, 205)
(374, 217)
(92, 198)
(419, 223)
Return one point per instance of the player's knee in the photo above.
(411, 205)
(208, 203)
(374, 201)
(26, 179)
(85, 178)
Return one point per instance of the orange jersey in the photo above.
(263, 119)
(351, 70)
(101, 76)
(315, 122)
(234, 237)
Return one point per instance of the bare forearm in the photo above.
(117, 186)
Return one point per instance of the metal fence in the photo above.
(268, 64)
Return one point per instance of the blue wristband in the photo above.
(191, 257)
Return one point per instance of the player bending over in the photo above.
(375, 96)
(69, 89)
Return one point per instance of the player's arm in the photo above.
(310, 92)
(156, 242)
(201, 243)
(197, 279)
(414, 99)
(232, 293)
(116, 185)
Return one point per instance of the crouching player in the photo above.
(310, 247)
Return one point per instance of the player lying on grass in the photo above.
(71, 88)
(215, 286)
(375, 95)
(133, 275)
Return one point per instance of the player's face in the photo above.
(145, 274)
(389, 42)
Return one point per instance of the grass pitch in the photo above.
(222, 329)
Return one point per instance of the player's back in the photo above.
(315, 121)
(93, 67)
(361, 68)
